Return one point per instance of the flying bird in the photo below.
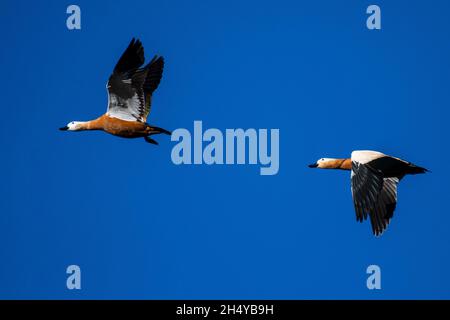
(130, 90)
(374, 180)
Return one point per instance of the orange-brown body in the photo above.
(118, 127)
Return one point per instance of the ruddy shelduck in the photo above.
(130, 89)
(374, 180)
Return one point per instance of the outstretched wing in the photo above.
(154, 74)
(132, 58)
(129, 87)
(373, 195)
(126, 97)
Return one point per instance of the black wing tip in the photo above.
(380, 227)
(135, 42)
(132, 58)
(381, 222)
(157, 59)
(379, 219)
(134, 45)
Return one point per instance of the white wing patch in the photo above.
(125, 109)
(365, 156)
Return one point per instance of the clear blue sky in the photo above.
(141, 227)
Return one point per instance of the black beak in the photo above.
(64, 128)
(314, 165)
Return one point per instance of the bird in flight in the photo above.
(130, 90)
(374, 180)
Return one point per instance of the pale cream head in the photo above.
(324, 163)
(73, 126)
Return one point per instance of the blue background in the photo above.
(141, 227)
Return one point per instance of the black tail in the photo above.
(413, 169)
(157, 130)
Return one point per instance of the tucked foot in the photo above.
(150, 140)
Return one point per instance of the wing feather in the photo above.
(130, 87)
(373, 195)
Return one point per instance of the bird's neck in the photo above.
(96, 124)
(342, 164)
